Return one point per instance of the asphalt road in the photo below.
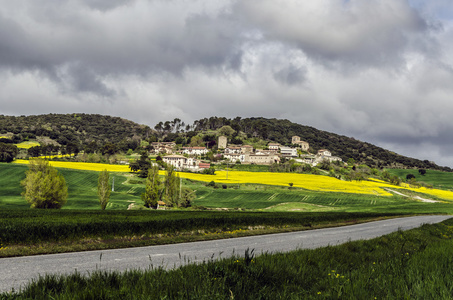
(17, 271)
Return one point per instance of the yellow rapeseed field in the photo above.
(305, 181)
(313, 183)
(55, 156)
(84, 166)
(27, 145)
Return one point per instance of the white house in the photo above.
(262, 159)
(288, 151)
(323, 155)
(195, 150)
(324, 152)
(231, 149)
(274, 146)
(234, 157)
(181, 162)
(177, 161)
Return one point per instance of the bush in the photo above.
(212, 183)
(210, 171)
(410, 176)
(44, 186)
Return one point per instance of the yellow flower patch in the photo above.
(305, 181)
(84, 166)
(55, 156)
(27, 145)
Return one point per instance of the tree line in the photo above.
(92, 133)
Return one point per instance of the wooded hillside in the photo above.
(90, 132)
(79, 129)
(281, 131)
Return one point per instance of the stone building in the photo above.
(223, 141)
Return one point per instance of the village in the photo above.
(188, 158)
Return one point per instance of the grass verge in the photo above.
(414, 264)
(29, 232)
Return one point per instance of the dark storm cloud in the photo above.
(142, 39)
(83, 79)
(378, 70)
(105, 5)
(291, 75)
(352, 33)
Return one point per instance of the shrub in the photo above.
(44, 186)
(410, 176)
(210, 171)
(212, 183)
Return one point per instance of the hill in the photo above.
(80, 130)
(281, 131)
(93, 132)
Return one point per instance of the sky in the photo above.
(380, 71)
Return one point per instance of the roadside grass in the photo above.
(414, 264)
(28, 232)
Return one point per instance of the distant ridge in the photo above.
(83, 129)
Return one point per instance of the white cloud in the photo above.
(378, 70)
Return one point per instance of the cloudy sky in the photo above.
(377, 70)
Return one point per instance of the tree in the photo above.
(172, 187)
(108, 149)
(141, 165)
(227, 130)
(187, 196)
(196, 141)
(44, 186)
(422, 172)
(34, 151)
(104, 188)
(153, 189)
(7, 152)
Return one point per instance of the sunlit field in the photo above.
(310, 182)
(55, 156)
(84, 166)
(27, 145)
(314, 183)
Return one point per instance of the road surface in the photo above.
(16, 272)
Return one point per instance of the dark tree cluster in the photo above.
(7, 152)
(77, 132)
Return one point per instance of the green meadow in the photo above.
(438, 179)
(82, 190)
(414, 264)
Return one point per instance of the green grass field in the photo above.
(438, 179)
(401, 266)
(82, 190)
